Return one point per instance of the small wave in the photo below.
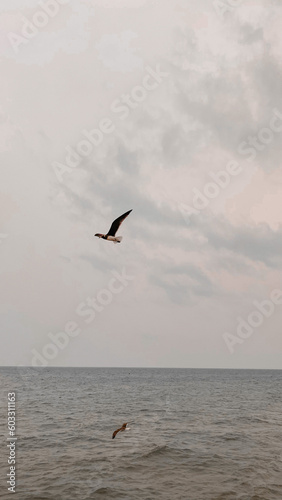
(156, 451)
(230, 437)
(164, 450)
(261, 420)
(104, 492)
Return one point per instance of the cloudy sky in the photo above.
(182, 102)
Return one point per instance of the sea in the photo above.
(194, 434)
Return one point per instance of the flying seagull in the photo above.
(111, 234)
(123, 428)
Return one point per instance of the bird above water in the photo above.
(120, 429)
(111, 234)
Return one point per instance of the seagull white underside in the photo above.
(115, 239)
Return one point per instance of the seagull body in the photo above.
(111, 234)
(123, 428)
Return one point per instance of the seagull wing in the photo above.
(115, 433)
(121, 428)
(115, 225)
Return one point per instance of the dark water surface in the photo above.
(195, 434)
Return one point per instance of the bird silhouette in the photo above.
(111, 234)
(120, 429)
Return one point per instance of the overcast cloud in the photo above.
(204, 90)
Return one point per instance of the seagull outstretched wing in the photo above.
(121, 428)
(115, 225)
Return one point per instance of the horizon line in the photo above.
(141, 367)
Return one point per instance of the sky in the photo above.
(170, 108)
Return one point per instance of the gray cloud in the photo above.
(224, 81)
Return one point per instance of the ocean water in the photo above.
(194, 434)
